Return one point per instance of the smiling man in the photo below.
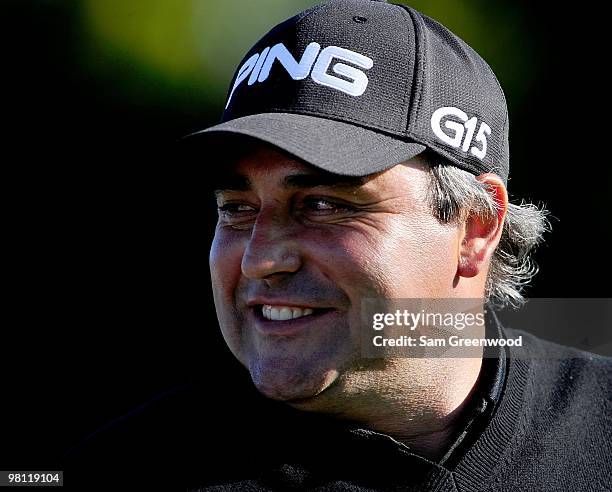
(295, 252)
(363, 155)
(366, 157)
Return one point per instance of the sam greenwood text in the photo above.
(452, 341)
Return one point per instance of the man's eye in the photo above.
(234, 210)
(323, 206)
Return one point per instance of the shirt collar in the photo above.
(488, 393)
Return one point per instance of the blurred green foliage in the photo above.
(181, 54)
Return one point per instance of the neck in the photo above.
(418, 402)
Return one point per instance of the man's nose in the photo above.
(272, 248)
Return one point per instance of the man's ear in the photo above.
(481, 235)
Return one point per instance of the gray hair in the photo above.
(455, 194)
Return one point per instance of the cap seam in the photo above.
(419, 67)
(412, 83)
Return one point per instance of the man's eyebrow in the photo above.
(231, 182)
(239, 182)
(327, 179)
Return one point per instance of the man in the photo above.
(365, 156)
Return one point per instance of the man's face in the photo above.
(306, 246)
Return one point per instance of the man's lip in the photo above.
(290, 327)
(260, 301)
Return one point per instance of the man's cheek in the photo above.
(361, 263)
(225, 259)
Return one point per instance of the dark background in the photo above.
(106, 232)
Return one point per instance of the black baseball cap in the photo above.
(355, 87)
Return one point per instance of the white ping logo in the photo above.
(464, 128)
(257, 67)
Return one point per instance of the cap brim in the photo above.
(334, 146)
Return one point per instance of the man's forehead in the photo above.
(264, 162)
(265, 158)
(249, 163)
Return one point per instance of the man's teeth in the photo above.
(282, 313)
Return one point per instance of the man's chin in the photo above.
(292, 388)
(287, 395)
